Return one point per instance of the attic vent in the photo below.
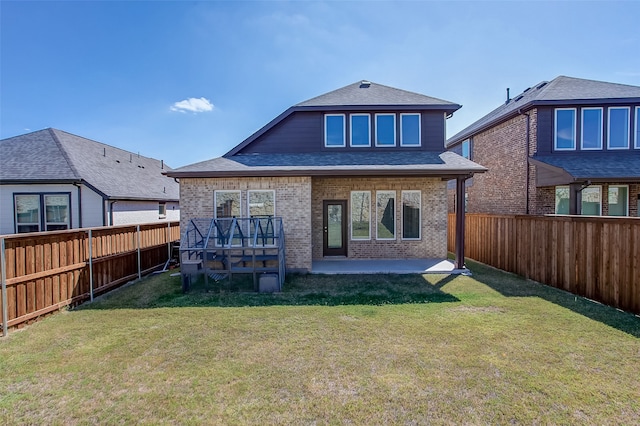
(541, 85)
(527, 89)
(364, 84)
(518, 98)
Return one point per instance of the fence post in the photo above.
(168, 240)
(5, 315)
(90, 266)
(139, 263)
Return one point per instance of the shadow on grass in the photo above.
(511, 285)
(163, 290)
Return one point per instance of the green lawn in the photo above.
(385, 349)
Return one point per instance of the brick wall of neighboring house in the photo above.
(503, 151)
(546, 198)
(293, 200)
(433, 242)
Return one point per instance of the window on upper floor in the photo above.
(565, 129)
(618, 134)
(410, 129)
(385, 130)
(591, 128)
(466, 148)
(334, 130)
(618, 198)
(637, 145)
(360, 130)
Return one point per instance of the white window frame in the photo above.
(582, 198)
(609, 127)
(628, 199)
(252, 191)
(582, 111)
(15, 212)
(351, 130)
(412, 191)
(215, 201)
(402, 143)
(637, 129)
(352, 213)
(44, 211)
(555, 193)
(555, 129)
(344, 130)
(466, 142)
(162, 210)
(395, 129)
(395, 222)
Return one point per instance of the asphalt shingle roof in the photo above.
(562, 89)
(55, 155)
(336, 163)
(603, 165)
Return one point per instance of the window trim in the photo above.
(395, 224)
(568, 188)
(637, 129)
(405, 114)
(162, 210)
(215, 202)
(250, 191)
(609, 127)
(352, 211)
(626, 214)
(555, 129)
(344, 130)
(42, 211)
(414, 191)
(582, 111)
(468, 142)
(582, 200)
(368, 130)
(395, 129)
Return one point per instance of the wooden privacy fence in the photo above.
(43, 272)
(594, 257)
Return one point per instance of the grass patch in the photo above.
(487, 349)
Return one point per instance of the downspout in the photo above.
(79, 186)
(526, 190)
(111, 203)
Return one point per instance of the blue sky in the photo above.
(186, 81)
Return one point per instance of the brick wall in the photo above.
(293, 200)
(433, 242)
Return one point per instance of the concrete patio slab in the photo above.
(385, 266)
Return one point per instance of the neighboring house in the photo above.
(359, 172)
(53, 180)
(566, 146)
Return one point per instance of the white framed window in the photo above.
(591, 129)
(618, 128)
(411, 215)
(410, 129)
(637, 132)
(334, 130)
(385, 215)
(385, 130)
(56, 209)
(591, 201)
(565, 129)
(562, 199)
(360, 130)
(360, 215)
(618, 200)
(162, 210)
(27, 212)
(227, 203)
(261, 206)
(466, 149)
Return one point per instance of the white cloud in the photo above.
(193, 105)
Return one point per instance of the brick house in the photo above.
(359, 172)
(566, 146)
(53, 180)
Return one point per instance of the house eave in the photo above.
(448, 174)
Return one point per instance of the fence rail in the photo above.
(594, 257)
(43, 272)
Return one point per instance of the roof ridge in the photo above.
(63, 150)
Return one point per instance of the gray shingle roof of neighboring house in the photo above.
(333, 164)
(360, 96)
(618, 166)
(560, 91)
(52, 155)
